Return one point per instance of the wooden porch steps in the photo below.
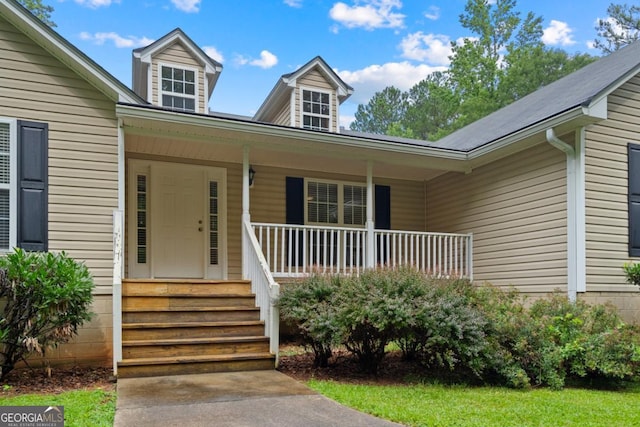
(173, 327)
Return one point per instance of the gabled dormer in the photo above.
(173, 72)
(309, 98)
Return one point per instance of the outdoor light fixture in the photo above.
(252, 174)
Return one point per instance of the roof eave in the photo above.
(268, 129)
(575, 117)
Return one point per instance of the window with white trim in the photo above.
(178, 88)
(7, 182)
(316, 110)
(337, 203)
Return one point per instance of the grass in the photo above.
(95, 408)
(464, 406)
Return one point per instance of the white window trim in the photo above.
(195, 96)
(12, 186)
(340, 185)
(302, 113)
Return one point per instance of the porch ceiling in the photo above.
(284, 147)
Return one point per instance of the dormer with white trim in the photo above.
(308, 98)
(173, 72)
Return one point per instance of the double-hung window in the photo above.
(178, 87)
(336, 203)
(316, 110)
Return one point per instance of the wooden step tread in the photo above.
(195, 359)
(203, 281)
(157, 325)
(178, 341)
(188, 295)
(187, 309)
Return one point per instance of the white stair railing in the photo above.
(256, 269)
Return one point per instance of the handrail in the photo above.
(267, 290)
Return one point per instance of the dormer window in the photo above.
(316, 110)
(178, 88)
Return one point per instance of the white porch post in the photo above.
(370, 261)
(246, 216)
(118, 254)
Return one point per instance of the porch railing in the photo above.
(297, 250)
(265, 288)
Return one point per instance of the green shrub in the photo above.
(47, 298)
(310, 306)
(370, 311)
(632, 271)
(447, 329)
(592, 340)
(512, 355)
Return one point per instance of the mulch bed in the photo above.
(298, 364)
(61, 379)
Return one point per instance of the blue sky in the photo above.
(371, 44)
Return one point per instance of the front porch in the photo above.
(194, 211)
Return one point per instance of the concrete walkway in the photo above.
(255, 398)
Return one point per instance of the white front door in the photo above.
(177, 206)
(177, 227)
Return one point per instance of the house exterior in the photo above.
(148, 187)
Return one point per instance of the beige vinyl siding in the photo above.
(268, 197)
(178, 55)
(516, 210)
(284, 116)
(83, 168)
(606, 188)
(314, 80)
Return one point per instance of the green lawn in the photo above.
(462, 406)
(95, 408)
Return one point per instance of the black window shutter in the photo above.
(382, 220)
(295, 215)
(295, 200)
(383, 207)
(634, 199)
(32, 228)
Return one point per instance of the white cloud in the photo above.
(368, 14)
(189, 6)
(591, 44)
(94, 4)
(374, 78)
(213, 53)
(266, 60)
(558, 33)
(433, 13)
(293, 3)
(118, 40)
(431, 48)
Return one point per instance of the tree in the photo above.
(479, 64)
(619, 29)
(433, 105)
(384, 108)
(40, 10)
(531, 69)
